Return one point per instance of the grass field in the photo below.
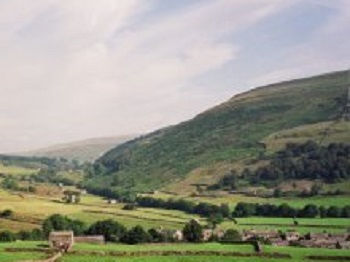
(327, 132)
(16, 170)
(92, 208)
(297, 254)
(232, 200)
(31, 210)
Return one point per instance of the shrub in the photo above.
(136, 235)
(6, 213)
(193, 232)
(232, 235)
(111, 230)
(7, 236)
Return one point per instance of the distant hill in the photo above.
(224, 136)
(84, 150)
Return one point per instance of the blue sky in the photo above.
(83, 68)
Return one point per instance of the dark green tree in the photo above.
(136, 235)
(111, 230)
(232, 235)
(193, 232)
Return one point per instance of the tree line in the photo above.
(202, 209)
(112, 231)
(284, 210)
(307, 161)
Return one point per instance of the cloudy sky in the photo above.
(84, 68)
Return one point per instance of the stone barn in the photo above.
(63, 240)
(99, 240)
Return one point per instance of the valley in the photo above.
(268, 161)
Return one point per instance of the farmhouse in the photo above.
(292, 236)
(173, 235)
(90, 239)
(63, 240)
(251, 234)
(209, 233)
(112, 201)
(325, 240)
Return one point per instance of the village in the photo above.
(65, 240)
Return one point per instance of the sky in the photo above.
(77, 69)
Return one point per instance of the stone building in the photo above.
(63, 240)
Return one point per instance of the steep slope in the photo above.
(227, 133)
(85, 150)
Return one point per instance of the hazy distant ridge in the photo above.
(83, 150)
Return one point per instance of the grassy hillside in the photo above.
(85, 150)
(223, 135)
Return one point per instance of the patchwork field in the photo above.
(31, 210)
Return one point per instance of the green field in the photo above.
(233, 199)
(31, 210)
(16, 170)
(297, 254)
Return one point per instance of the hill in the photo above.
(223, 136)
(84, 150)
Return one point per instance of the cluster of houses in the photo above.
(293, 238)
(64, 240)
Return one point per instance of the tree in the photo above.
(130, 206)
(309, 211)
(58, 222)
(9, 183)
(277, 193)
(244, 210)
(232, 235)
(323, 211)
(7, 236)
(315, 189)
(333, 211)
(6, 213)
(111, 230)
(215, 220)
(155, 235)
(345, 212)
(136, 235)
(193, 231)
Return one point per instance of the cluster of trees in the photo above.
(203, 209)
(307, 161)
(123, 196)
(228, 181)
(112, 232)
(34, 235)
(284, 210)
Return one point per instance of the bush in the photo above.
(8, 213)
(232, 235)
(58, 222)
(7, 236)
(193, 232)
(111, 230)
(129, 207)
(136, 235)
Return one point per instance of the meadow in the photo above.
(30, 210)
(16, 170)
(189, 252)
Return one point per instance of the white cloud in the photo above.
(83, 68)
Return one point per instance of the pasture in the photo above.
(16, 170)
(30, 210)
(233, 199)
(163, 252)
